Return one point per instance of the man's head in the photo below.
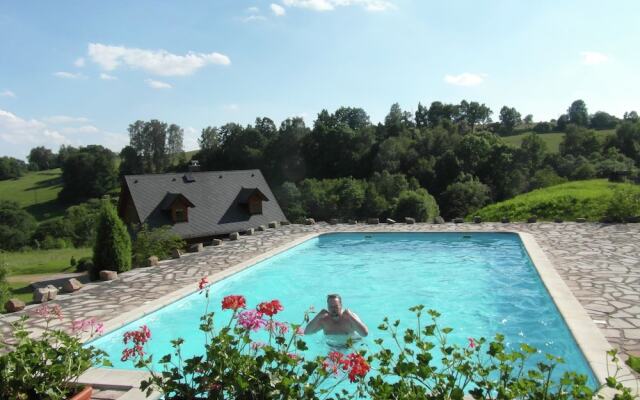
(334, 305)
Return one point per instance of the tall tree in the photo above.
(474, 113)
(509, 118)
(40, 158)
(158, 144)
(88, 173)
(578, 113)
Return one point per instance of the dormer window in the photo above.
(177, 206)
(180, 215)
(252, 199)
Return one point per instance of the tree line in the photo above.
(446, 159)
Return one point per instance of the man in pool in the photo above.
(336, 321)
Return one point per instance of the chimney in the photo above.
(194, 166)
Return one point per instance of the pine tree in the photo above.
(112, 249)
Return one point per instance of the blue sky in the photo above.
(78, 72)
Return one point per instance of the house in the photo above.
(199, 205)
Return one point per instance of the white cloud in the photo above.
(593, 57)
(79, 62)
(252, 18)
(18, 131)
(65, 120)
(157, 84)
(278, 10)
(328, 5)
(191, 136)
(7, 93)
(231, 107)
(72, 130)
(253, 10)
(18, 135)
(159, 62)
(68, 75)
(107, 77)
(465, 79)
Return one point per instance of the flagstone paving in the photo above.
(600, 263)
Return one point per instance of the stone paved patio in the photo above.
(600, 263)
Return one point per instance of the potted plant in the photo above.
(48, 366)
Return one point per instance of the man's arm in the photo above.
(357, 324)
(316, 323)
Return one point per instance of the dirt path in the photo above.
(34, 278)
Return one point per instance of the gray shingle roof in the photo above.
(215, 196)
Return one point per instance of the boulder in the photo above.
(196, 247)
(581, 220)
(234, 236)
(438, 220)
(373, 221)
(558, 220)
(409, 220)
(273, 224)
(284, 223)
(152, 261)
(632, 220)
(250, 232)
(106, 275)
(352, 222)
(261, 228)
(71, 285)
(333, 221)
(532, 220)
(216, 242)
(309, 221)
(477, 219)
(44, 294)
(390, 221)
(458, 220)
(505, 220)
(176, 253)
(14, 305)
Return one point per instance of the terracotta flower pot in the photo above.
(84, 394)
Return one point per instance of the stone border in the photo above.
(586, 334)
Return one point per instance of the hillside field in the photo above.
(552, 140)
(36, 192)
(568, 201)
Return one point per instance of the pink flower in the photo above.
(300, 331)
(257, 345)
(138, 338)
(87, 325)
(277, 327)
(47, 312)
(251, 320)
(292, 356)
(203, 283)
(472, 343)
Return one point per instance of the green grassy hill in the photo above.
(568, 201)
(552, 140)
(36, 192)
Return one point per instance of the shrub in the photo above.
(16, 226)
(543, 127)
(54, 228)
(22, 375)
(463, 197)
(112, 249)
(544, 178)
(154, 242)
(418, 204)
(625, 203)
(51, 242)
(82, 221)
(85, 264)
(4, 286)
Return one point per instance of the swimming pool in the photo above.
(481, 283)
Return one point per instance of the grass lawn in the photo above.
(552, 140)
(43, 261)
(578, 199)
(20, 291)
(36, 192)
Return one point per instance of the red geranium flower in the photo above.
(358, 366)
(203, 282)
(233, 302)
(472, 343)
(138, 338)
(270, 308)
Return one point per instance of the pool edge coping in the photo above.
(589, 338)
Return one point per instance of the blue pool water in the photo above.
(481, 283)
